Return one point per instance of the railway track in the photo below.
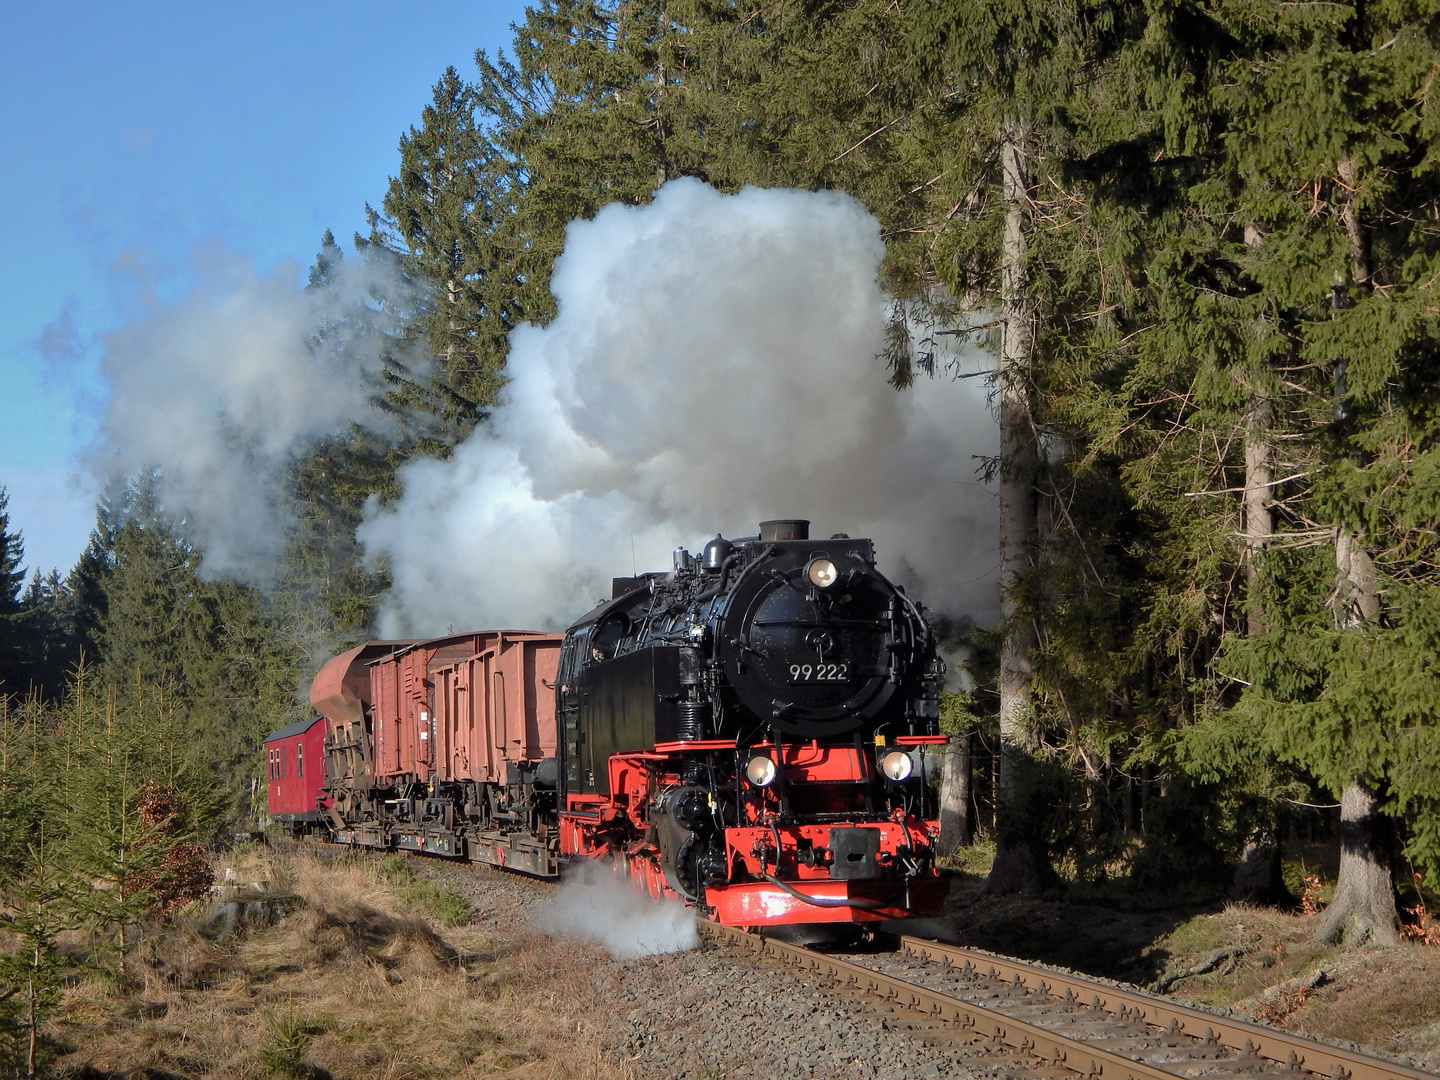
(1062, 1025)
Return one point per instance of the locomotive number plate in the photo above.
(815, 673)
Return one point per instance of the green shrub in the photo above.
(287, 1037)
(439, 902)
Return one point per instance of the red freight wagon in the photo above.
(445, 745)
(494, 702)
(340, 692)
(458, 708)
(295, 773)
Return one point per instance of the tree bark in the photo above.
(955, 827)
(1364, 904)
(1260, 878)
(1256, 503)
(1355, 230)
(1018, 866)
(1259, 476)
(1259, 511)
(1357, 590)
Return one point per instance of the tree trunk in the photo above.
(1357, 590)
(32, 1018)
(955, 794)
(1259, 477)
(1355, 230)
(1260, 878)
(1364, 904)
(1018, 866)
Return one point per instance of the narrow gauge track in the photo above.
(1066, 1025)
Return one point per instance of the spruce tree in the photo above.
(1239, 405)
(85, 584)
(444, 206)
(35, 886)
(117, 751)
(323, 591)
(50, 649)
(14, 678)
(1009, 81)
(1329, 136)
(218, 650)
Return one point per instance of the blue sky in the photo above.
(135, 134)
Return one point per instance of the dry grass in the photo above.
(1261, 961)
(351, 983)
(1387, 998)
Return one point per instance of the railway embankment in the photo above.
(310, 964)
(1257, 962)
(306, 965)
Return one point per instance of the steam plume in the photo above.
(227, 387)
(591, 903)
(712, 364)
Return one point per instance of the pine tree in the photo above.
(217, 649)
(444, 205)
(51, 648)
(86, 582)
(118, 754)
(34, 887)
(14, 678)
(1239, 405)
(323, 591)
(35, 909)
(1009, 83)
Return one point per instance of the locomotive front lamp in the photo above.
(822, 573)
(760, 770)
(896, 765)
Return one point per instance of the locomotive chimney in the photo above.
(782, 529)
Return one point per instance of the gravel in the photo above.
(718, 1012)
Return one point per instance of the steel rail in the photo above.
(1257, 1048)
(1264, 1042)
(982, 1022)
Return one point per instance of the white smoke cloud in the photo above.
(225, 388)
(713, 363)
(593, 904)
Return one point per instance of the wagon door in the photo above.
(460, 720)
(488, 679)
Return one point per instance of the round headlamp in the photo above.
(822, 573)
(896, 765)
(760, 770)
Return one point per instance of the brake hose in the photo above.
(829, 901)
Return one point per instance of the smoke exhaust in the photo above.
(713, 356)
(783, 529)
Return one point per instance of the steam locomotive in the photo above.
(745, 731)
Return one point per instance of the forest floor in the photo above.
(1262, 962)
(313, 966)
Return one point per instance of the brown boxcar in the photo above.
(494, 702)
(459, 708)
(446, 745)
(340, 692)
